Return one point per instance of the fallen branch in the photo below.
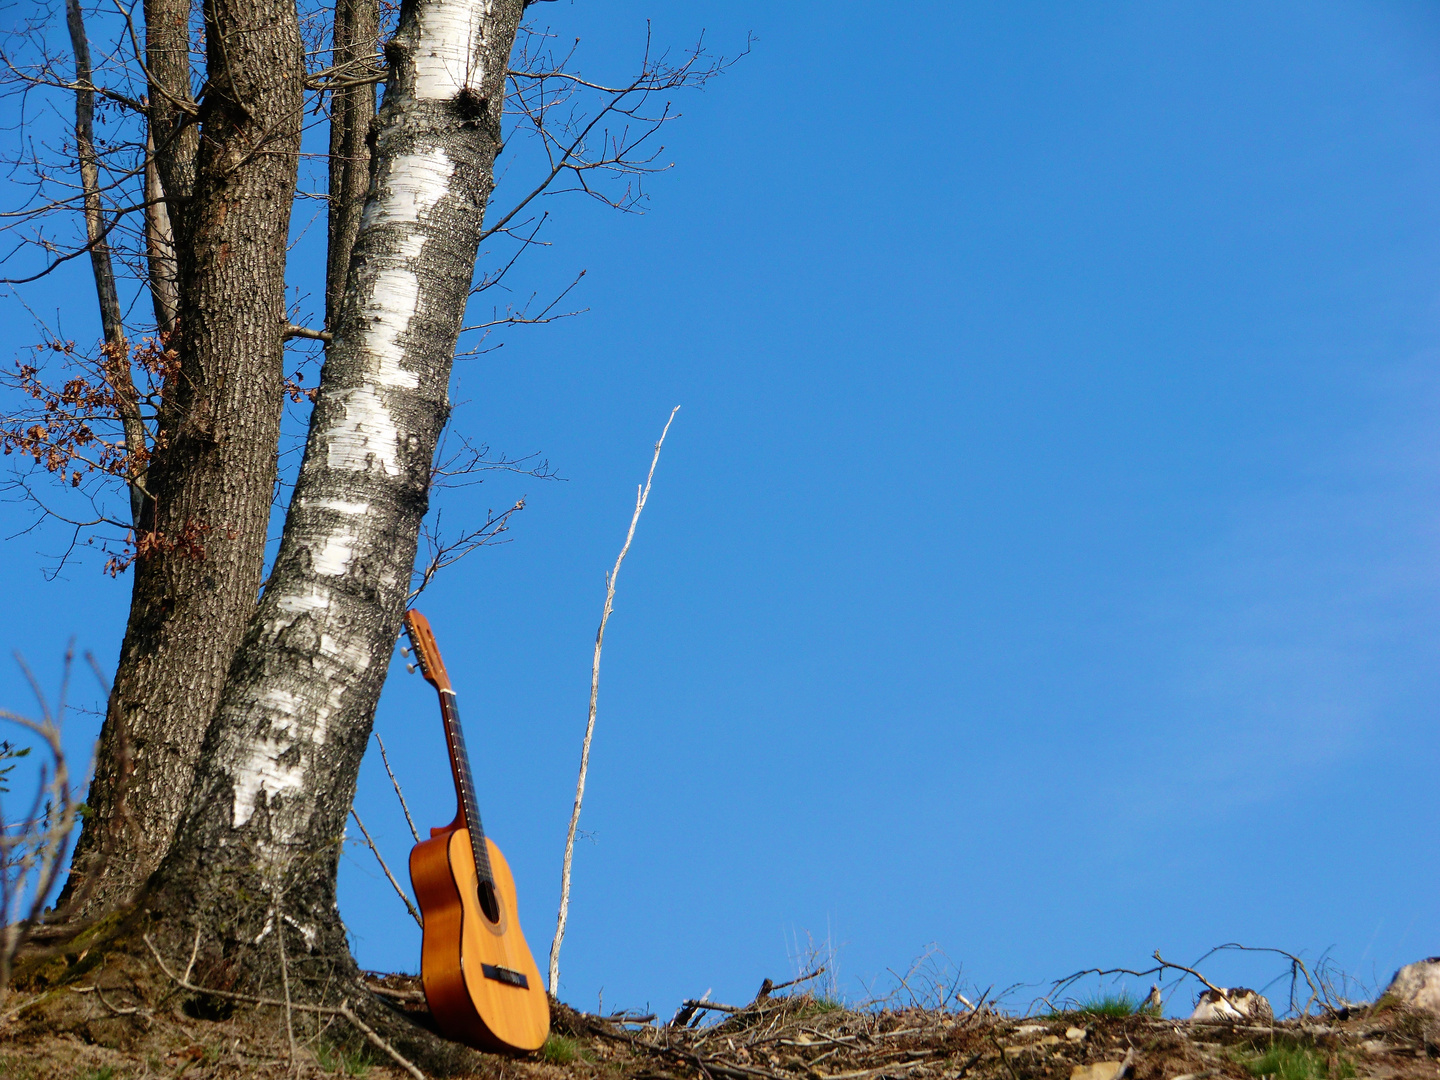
(370, 1033)
(398, 995)
(767, 987)
(1296, 964)
(231, 995)
(323, 1010)
(714, 1006)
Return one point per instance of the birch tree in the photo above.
(234, 735)
(180, 178)
(277, 773)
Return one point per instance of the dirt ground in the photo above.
(79, 1031)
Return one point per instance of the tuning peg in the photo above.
(410, 668)
(404, 650)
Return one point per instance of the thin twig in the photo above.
(285, 982)
(293, 331)
(231, 995)
(1296, 964)
(1219, 991)
(32, 850)
(384, 757)
(715, 1006)
(324, 1010)
(642, 495)
(381, 859)
(194, 952)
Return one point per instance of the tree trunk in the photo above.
(352, 108)
(117, 349)
(160, 247)
(259, 848)
(173, 132)
(201, 542)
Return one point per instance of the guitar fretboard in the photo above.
(465, 786)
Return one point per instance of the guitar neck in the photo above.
(469, 809)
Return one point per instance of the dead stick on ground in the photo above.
(369, 1033)
(642, 495)
(324, 1010)
(803, 978)
(379, 858)
(194, 952)
(229, 995)
(398, 793)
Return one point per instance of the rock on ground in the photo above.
(1418, 985)
(1236, 1004)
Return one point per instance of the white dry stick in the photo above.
(285, 982)
(641, 495)
(370, 1033)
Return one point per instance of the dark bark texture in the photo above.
(256, 857)
(201, 540)
(352, 108)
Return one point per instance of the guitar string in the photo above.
(466, 780)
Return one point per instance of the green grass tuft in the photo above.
(560, 1050)
(1116, 1005)
(338, 1059)
(819, 1006)
(104, 1072)
(1286, 1060)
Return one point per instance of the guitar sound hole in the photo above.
(489, 902)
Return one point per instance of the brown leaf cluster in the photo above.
(74, 426)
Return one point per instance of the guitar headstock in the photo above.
(427, 653)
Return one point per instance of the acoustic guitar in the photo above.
(480, 980)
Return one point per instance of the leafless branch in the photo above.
(381, 860)
(293, 331)
(443, 552)
(343, 1009)
(32, 849)
(370, 1033)
(642, 495)
(384, 757)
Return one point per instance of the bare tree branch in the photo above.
(642, 495)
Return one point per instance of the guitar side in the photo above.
(459, 943)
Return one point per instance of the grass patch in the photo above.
(1114, 1006)
(1287, 1060)
(562, 1050)
(337, 1059)
(818, 1006)
(105, 1072)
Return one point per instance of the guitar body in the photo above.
(470, 966)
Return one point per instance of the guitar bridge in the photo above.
(509, 976)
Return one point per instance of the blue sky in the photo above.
(1043, 561)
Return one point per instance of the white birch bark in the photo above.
(277, 775)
